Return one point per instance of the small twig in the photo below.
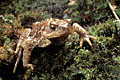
(113, 10)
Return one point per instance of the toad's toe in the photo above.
(29, 66)
(87, 39)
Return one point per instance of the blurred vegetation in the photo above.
(68, 61)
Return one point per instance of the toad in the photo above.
(47, 32)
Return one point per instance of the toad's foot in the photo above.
(29, 66)
(83, 33)
(87, 39)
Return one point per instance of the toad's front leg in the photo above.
(83, 33)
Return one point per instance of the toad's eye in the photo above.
(71, 24)
(53, 27)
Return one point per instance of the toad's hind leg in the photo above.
(26, 57)
(20, 45)
(40, 42)
(30, 44)
(22, 39)
(18, 59)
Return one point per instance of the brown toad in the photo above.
(44, 33)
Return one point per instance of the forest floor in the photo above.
(68, 61)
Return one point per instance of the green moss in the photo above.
(69, 61)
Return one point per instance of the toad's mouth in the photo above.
(56, 34)
(59, 40)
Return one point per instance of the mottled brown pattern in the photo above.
(44, 33)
